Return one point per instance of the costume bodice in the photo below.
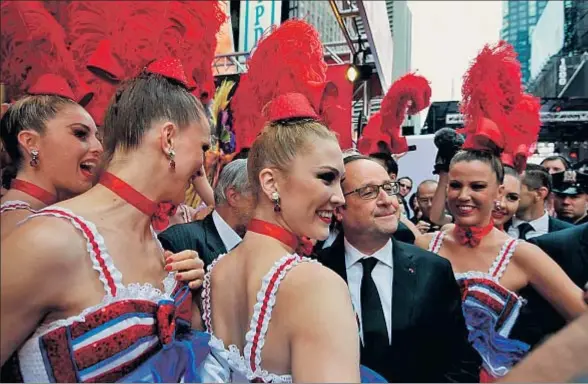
(107, 341)
(490, 311)
(228, 364)
(12, 205)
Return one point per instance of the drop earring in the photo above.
(171, 154)
(34, 158)
(497, 205)
(276, 200)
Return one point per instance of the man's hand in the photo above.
(423, 226)
(188, 266)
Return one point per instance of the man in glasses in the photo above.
(407, 301)
(424, 195)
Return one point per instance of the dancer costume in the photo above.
(500, 119)
(287, 73)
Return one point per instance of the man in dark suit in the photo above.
(407, 300)
(223, 229)
(571, 194)
(532, 219)
(569, 249)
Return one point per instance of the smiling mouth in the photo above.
(325, 216)
(465, 209)
(88, 168)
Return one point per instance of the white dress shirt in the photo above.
(540, 226)
(227, 234)
(382, 275)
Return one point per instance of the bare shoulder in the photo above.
(312, 278)
(424, 240)
(10, 219)
(44, 243)
(526, 252)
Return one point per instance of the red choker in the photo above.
(33, 190)
(301, 246)
(159, 212)
(472, 236)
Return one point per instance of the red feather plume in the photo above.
(409, 94)
(522, 132)
(33, 44)
(289, 59)
(491, 88)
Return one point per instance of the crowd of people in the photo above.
(304, 260)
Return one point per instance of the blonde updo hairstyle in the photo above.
(280, 142)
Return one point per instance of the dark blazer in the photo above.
(569, 249)
(429, 336)
(553, 225)
(200, 236)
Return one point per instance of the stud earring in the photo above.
(276, 200)
(171, 154)
(497, 204)
(34, 158)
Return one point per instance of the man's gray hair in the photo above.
(233, 175)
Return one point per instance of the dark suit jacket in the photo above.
(200, 236)
(569, 249)
(429, 336)
(553, 225)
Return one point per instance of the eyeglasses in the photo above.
(370, 192)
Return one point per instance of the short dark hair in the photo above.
(510, 171)
(406, 178)
(141, 101)
(567, 164)
(390, 164)
(536, 176)
(355, 157)
(485, 157)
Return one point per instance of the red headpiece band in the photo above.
(287, 61)
(170, 68)
(408, 95)
(498, 116)
(51, 84)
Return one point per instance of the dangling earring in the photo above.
(34, 158)
(276, 200)
(172, 154)
(497, 204)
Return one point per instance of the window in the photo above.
(532, 8)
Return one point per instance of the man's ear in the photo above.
(543, 193)
(232, 196)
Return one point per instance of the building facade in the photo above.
(518, 20)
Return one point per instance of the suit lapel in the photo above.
(550, 223)
(403, 287)
(335, 259)
(212, 238)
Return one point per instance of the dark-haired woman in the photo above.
(53, 147)
(108, 302)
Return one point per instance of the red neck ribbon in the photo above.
(33, 190)
(472, 236)
(159, 212)
(301, 246)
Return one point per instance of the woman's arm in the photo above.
(550, 281)
(437, 213)
(204, 189)
(36, 265)
(323, 329)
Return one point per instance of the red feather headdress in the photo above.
(409, 94)
(34, 44)
(290, 60)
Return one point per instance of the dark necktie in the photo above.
(375, 331)
(524, 228)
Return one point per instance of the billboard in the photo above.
(375, 20)
(256, 17)
(547, 38)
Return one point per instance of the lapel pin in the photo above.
(411, 271)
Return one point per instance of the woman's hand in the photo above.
(188, 266)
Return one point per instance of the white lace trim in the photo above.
(12, 205)
(206, 308)
(437, 239)
(504, 256)
(261, 296)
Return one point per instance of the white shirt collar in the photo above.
(227, 234)
(353, 255)
(540, 225)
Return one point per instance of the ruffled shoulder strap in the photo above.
(13, 205)
(436, 242)
(500, 263)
